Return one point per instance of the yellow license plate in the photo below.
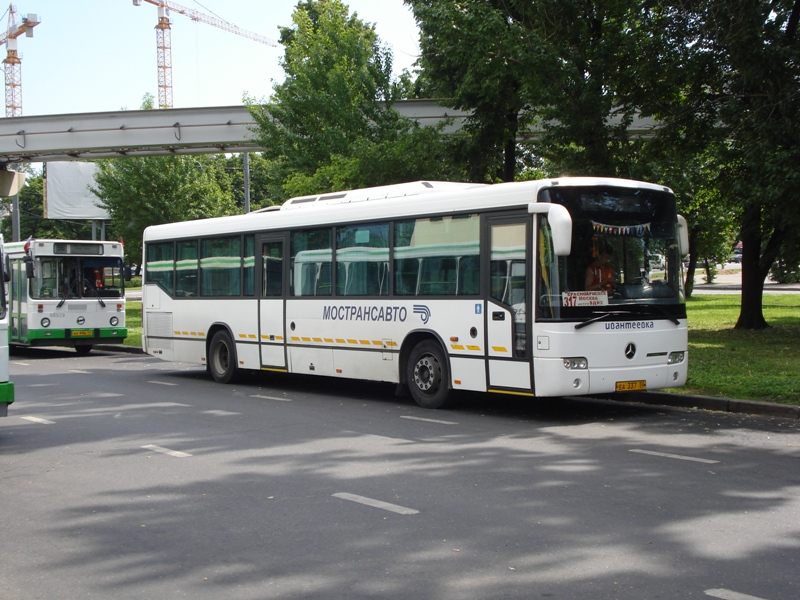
(631, 386)
(82, 333)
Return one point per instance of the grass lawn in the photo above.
(723, 361)
(745, 365)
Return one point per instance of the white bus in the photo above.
(6, 386)
(431, 285)
(66, 293)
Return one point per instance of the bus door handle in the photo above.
(498, 315)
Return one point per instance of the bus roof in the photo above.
(385, 202)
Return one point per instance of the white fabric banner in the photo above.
(67, 194)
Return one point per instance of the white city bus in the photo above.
(6, 386)
(435, 286)
(66, 293)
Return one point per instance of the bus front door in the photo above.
(271, 306)
(508, 306)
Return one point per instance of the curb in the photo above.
(750, 407)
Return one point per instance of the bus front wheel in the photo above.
(222, 358)
(427, 375)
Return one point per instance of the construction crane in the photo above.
(12, 64)
(164, 41)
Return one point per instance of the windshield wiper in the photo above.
(91, 288)
(601, 317)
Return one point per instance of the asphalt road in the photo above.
(128, 478)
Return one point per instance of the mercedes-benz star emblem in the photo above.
(630, 351)
(81, 320)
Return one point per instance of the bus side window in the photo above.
(405, 276)
(272, 276)
(469, 275)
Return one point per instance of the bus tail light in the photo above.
(40, 307)
(119, 307)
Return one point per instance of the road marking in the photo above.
(42, 384)
(400, 510)
(729, 595)
(161, 382)
(271, 398)
(220, 413)
(20, 363)
(677, 456)
(428, 420)
(38, 420)
(78, 371)
(167, 451)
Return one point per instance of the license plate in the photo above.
(631, 386)
(82, 333)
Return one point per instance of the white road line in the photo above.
(78, 371)
(271, 398)
(428, 420)
(42, 384)
(677, 456)
(161, 382)
(220, 413)
(39, 420)
(729, 595)
(174, 453)
(400, 510)
(20, 363)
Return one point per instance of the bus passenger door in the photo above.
(508, 305)
(272, 283)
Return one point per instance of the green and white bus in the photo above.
(66, 293)
(435, 286)
(6, 386)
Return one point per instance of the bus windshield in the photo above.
(625, 256)
(78, 277)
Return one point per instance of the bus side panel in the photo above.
(468, 374)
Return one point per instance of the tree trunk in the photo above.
(510, 150)
(751, 314)
(691, 269)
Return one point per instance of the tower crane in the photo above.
(12, 63)
(164, 41)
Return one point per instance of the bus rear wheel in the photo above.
(222, 358)
(427, 376)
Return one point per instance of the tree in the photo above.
(735, 87)
(555, 64)
(138, 192)
(329, 124)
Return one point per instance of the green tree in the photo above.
(734, 87)
(142, 191)
(329, 124)
(553, 64)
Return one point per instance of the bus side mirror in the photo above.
(128, 271)
(29, 271)
(683, 235)
(560, 225)
(6, 268)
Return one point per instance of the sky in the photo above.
(100, 55)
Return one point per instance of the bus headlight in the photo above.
(675, 358)
(114, 321)
(45, 322)
(576, 363)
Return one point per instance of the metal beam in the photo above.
(88, 136)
